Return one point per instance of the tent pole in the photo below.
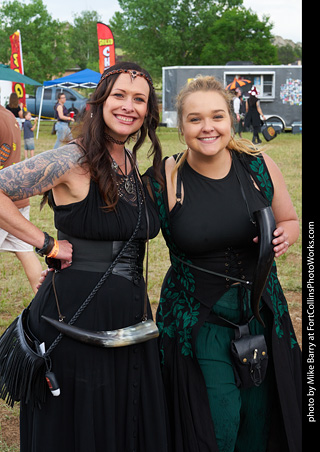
(40, 109)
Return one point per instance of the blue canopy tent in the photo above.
(83, 79)
(86, 79)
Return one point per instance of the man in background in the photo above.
(10, 153)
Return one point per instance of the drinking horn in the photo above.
(266, 225)
(134, 334)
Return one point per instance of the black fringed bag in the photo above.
(23, 367)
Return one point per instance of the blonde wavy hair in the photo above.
(210, 83)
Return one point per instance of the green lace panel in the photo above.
(262, 177)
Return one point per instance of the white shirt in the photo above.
(236, 105)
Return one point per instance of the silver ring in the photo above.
(287, 243)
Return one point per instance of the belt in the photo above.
(97, 256)
(221, 321)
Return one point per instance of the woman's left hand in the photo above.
(281, 241)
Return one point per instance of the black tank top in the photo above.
(215, 214)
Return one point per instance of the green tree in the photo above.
(44, 48)
(289, 54)
(156, 33)
(239, 35)
(83, 41)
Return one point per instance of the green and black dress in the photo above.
(213, 229)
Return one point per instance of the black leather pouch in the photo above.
(249, 357)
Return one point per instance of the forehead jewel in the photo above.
(131, 72)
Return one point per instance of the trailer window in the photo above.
(264, 82)
(267, 85)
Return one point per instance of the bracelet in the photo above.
(55, 249)
(47, 245)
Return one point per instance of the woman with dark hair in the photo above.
(253, 113)
(15, 107)
(61, 114)
(111, 399)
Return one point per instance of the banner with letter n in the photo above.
(107, 55)
(16, 63)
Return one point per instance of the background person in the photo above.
(28, 129)
(16, 108)
(63, 119)
(239, 110)
(236, 109)
(10, 153)
(253, 113)
(206, 213)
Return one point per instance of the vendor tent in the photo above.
(83, 79)
(13, 76)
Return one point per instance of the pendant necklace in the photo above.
(128, 185)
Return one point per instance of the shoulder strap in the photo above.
(177, 157)
(178, 189)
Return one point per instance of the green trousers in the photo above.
(241, 417)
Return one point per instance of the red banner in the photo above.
(16, 63)
(107, 55)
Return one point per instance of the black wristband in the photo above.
(47, 245)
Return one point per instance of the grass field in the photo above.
(15, 292)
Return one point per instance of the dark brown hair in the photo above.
(94, 145)
(13, 100)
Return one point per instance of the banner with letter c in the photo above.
(16, 63)
(107, 55)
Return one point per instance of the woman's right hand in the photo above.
(65, 253)
(65, 257)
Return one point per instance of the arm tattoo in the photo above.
(36, 175)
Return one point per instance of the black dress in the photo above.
(253, 116)
(112, 399)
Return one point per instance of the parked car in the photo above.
(75, 101)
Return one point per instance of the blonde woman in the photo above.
(207, 218)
